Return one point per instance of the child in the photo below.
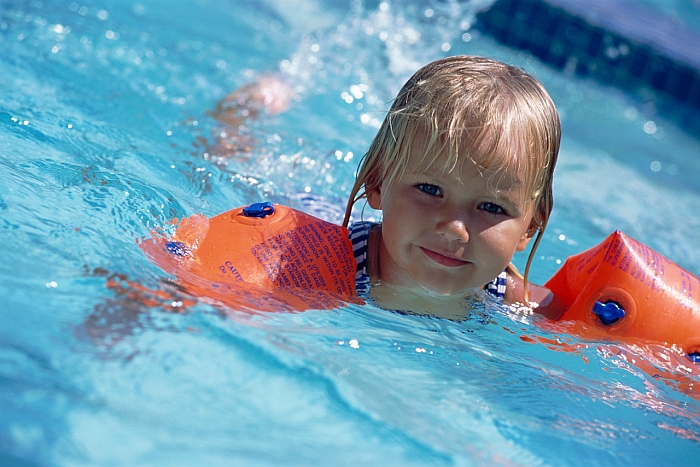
(461, 169)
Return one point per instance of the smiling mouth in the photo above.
(443, 260)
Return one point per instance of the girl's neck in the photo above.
(374, 242)
(391, 297)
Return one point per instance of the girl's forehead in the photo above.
(502, 169)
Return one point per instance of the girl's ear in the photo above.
(525, 239)
(374, 198)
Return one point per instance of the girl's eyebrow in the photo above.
(507, 197)
(423, 170)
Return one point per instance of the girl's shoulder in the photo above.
(498, 286)
(541, 298)
(359, 238)
(359, 231)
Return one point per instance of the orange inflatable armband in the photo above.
(623, 289)
(266, 255)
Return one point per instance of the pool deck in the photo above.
(613, 41)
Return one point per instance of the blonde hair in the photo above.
(470, 108)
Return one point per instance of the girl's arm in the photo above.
(540, 298)
(268, 94)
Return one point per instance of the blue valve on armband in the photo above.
(694, 357)
(608, 312)
(259, 209)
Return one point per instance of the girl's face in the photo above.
(448, 233)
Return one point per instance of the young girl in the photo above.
(461, 169)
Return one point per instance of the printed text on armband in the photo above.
(311, 236)
(294, 238)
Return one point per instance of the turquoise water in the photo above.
(103, 134)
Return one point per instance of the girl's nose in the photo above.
(453, 230)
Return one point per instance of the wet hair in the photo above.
(466, 108)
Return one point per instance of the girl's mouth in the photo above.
(443, 260)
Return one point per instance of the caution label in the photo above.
(311, 256)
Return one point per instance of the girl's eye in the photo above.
(429, 189)
(492, 208)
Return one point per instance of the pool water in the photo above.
(106, 135)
